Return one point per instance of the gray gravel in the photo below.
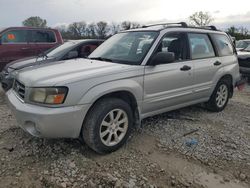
(190, 147)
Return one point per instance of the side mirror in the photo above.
(72, 54)
(163, 58)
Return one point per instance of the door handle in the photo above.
(185, 68)
(217, 63)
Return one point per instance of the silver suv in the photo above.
(133, 75)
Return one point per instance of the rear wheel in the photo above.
(220, 96)
(108, 125)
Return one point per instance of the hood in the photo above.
(26, 62)
(69, 71)
(243, 54)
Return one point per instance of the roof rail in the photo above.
(182, 24)
(212, 27)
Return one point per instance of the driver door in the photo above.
(169, 85)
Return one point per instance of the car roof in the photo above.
(21, 28)
(2, 28)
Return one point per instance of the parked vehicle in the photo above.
(133, 75)
(21, 42)
(242, 44)
(68, 50)
(244, 61)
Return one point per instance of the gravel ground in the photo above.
(190, 147)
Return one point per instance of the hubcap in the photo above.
(114, 127)
(221, 96)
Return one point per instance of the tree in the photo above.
(64, 31)
(200, 19)
(91, 30)
(115, 28)
(135, 25)
(126, 25)
(239, 33)
(77, 29)
(35, 21)
(232, 30)
(244, 31)
(102, 29)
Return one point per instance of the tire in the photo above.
(219, 99)
(99, 121)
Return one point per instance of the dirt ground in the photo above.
(190, 147)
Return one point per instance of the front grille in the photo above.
(19, 88)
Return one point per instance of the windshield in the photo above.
(242, 44)
(247, 48)
(61, 49)
(128, 48)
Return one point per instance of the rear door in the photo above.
(13, 46)
(41, 40)
(206, 64)
(169, 85)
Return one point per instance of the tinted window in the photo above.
(175, 43)
(15, 36)
(200, 46)
(43, 36)
(223, 44)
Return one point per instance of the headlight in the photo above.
(53, 95)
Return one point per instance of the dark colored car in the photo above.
(68, 50)
(21, 42)
(244, 61)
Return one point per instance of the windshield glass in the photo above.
(242, 44)
(247, 48)
(128, 48)
(61, 49)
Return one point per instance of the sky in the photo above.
(225, 13)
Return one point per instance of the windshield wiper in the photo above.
(101, 59)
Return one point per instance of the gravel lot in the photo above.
(190, 147)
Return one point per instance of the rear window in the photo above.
(14, 36)
(200, 45)
(39, 36)
(223, 44)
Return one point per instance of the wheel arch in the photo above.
(229, 78)
(125, 95)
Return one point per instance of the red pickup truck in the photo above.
(21, 42)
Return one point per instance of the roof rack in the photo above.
(212, 27)
(182, 24)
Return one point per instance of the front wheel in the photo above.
(108, 125)
(219, 99)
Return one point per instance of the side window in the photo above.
(223, 44)
(86, 50)
(43, 36)
(200, 46)
(14, 36)
(176, 43)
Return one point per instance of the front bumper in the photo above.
(63, 122)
